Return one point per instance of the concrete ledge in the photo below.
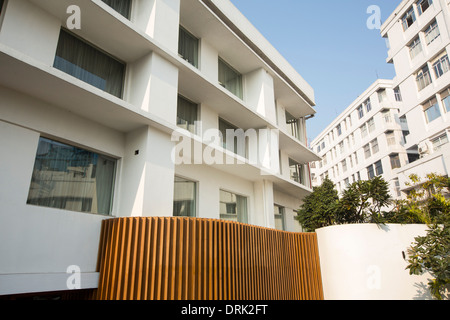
(46, 282)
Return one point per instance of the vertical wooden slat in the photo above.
(201, 259)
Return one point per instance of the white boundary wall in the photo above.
(365, 262)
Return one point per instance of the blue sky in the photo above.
(329, 44)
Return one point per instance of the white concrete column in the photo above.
(147, 174)
(264, 205)
(160, 20)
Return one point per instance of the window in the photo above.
(367, 152)
(386, 115)
(363, 129)
(445, 96)
(395, 161)
(423, 78)
(339, 129)
(293, 126)
(341, 147)
(415, 47)
(390, 137)
(186, 114)
(441, 65)
(382, 95)
(398, 94)
(70, 178)
(83, 61)
(439, 142)
(188, 47)
(378, 168)
(432, 32)
(279, 217)
(356, 157)
(423, 5)
(297, 173)
(185, 198)
(370, 172)
(375, 147)
(408, 19)
(233, 207)
(233, 145)
(360, 112)
(431, 110)
(121, 6)
(344, 165)
(230, 79)
(371, 125)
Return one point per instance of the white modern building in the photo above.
(117, 109)
(365, 140)
(418, 33)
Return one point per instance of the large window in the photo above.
(408, 19)
(360, 111)
(432, 33)
(423, 5)
(89, 64)
(188, 47)
(225, 126)
(378, 168)
(398, 94)
(415, 47)
(445, 96)
(374, 145)
(297, 173)
(187, 114)
(390, 137)
(441, 65)
(233, 207)
(395, 161)
(432, 110)
(279, 213)
(293, 125)
(230, 79)
(423, 78)
(121, 6)
(70, 178)
(185, 198)
(367, 152)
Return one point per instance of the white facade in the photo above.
(419, 37)
(44, 109)
(365, 140)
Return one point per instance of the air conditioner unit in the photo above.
(425, 147)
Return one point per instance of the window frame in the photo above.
(191, 126)
(409, 14)
(77, 149)
(241, 217)
(239, 77)
(195, 198)
(423, 78)
(127, 14)
(435, 108)
(420, 7)
(189, 35)
(441, 65)
(98, 50)
(430, 32)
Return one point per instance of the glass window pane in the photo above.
(185, 196)
(230, 79)
(279, 217)
(81, 60)
(433, 113)
(67, 177)
(188, 47)
(186, 114)
(121, 6)
(233, 207)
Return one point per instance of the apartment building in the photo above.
(366, 140)
(110, 109)
(418, 36)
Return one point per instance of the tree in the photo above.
(431, 253)
(364, 201)
(319, 207)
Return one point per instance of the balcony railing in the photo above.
(203, 259)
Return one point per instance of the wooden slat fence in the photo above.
(204, 259)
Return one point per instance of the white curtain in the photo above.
(188, 47)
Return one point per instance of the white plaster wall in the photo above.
(30, 30)
(365, 262)
(210, 182)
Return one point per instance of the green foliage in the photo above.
(318, 209)
(431, 253)
(370, 202)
